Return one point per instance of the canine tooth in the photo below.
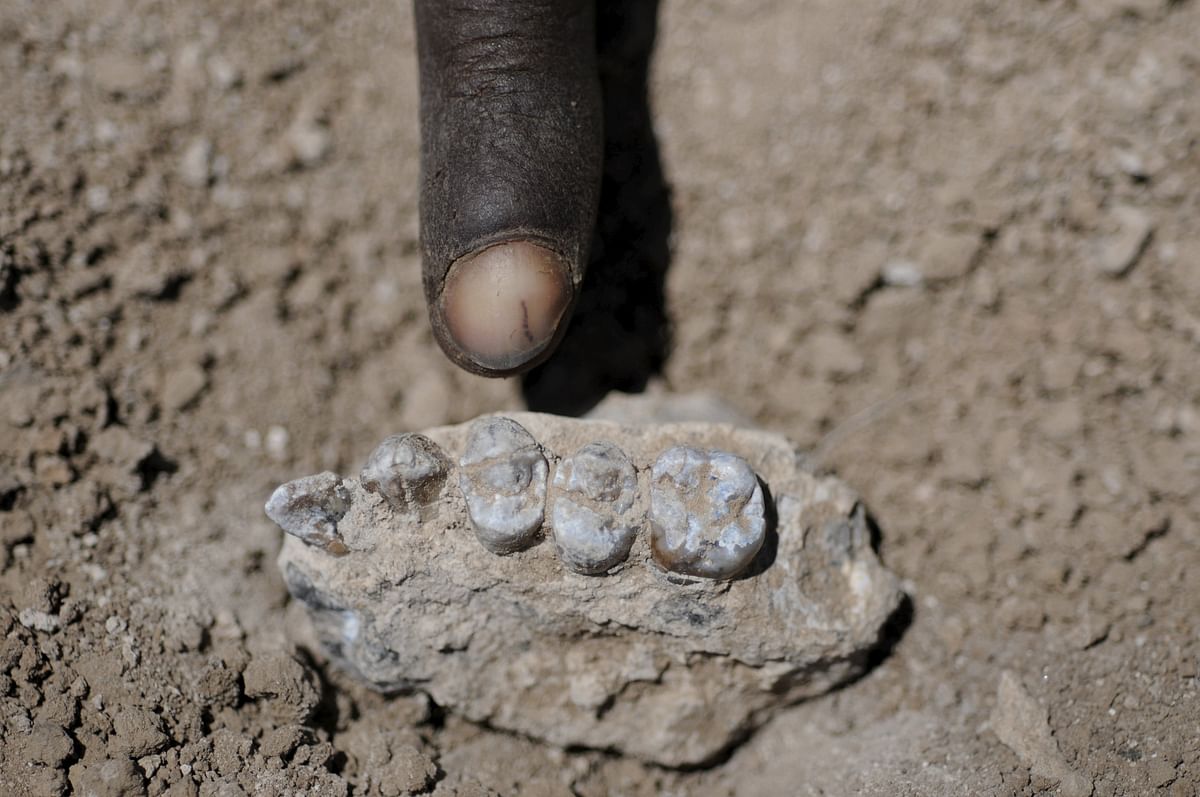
(597, 487)
(503, 478)
(706, 513)
(310, 508)
(408, 470)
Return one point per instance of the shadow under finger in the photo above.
(619, 336)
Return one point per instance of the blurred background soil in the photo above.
(950, 247)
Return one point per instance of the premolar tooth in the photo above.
(503, 479)
(408, 470)
(310, 509)
(598, 486)
(707, 515)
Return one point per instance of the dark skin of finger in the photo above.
(512, 140)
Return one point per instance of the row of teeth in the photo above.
(706, 509)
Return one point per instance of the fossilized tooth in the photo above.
(595, 490)
(707, 516)
(310, 509)
(503, 479)
(408, 470)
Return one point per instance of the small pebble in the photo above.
(277, 443)
(195, 166)
(183, 386)
(1121, 251)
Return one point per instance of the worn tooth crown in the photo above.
(596, 488)
(707, 514)
(407, 470)
(310, 508)
(503, 479)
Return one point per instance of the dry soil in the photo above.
(950, 247)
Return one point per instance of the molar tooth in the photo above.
(503, 477)
(310, 508)
(408, 470)
(597, 488)
(707, 514)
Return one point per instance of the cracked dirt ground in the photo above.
(949, 246)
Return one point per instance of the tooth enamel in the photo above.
(503, 479)
(408, 470)
(310, 509)
(706, 513)
(596, 488)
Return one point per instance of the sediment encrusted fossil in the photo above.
(657, 590)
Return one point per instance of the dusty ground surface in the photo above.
(949, 246)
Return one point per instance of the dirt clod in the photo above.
(287, 688)
(113, 777)
(138, 732)
(1021, 724)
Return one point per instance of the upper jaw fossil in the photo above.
(653, 590)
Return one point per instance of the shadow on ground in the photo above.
(619, 335)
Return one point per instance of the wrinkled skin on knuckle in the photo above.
(511, 125)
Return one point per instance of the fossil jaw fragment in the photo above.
(705, 511)
(656, 590)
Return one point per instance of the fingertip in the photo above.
(502, 307)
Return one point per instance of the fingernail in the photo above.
(503, 305)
